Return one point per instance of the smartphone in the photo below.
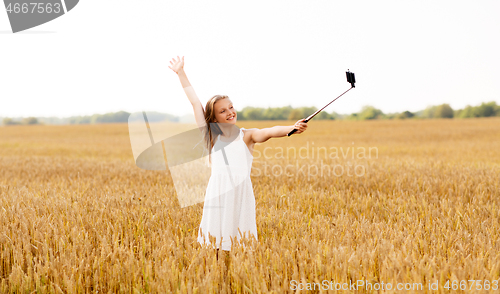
(350, 78)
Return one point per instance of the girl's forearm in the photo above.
(262, 135)
(183, 78)
(280, 131)
(188, 89)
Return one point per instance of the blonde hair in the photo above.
(210, 118)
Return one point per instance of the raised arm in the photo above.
(178, 68)
(262, 135)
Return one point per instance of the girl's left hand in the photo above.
(177, 64)
(301, 126)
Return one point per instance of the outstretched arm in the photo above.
(262, 135)
(178, 68)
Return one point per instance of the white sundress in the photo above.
(229, 199)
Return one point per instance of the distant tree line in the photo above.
(23, 121)
(112, 117)
(282, 113)
(277, 113)
(369, 112)
(439, 111)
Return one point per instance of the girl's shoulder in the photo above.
(248, 131)
(247, 134)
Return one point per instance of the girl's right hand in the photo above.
(300, 126)
(177, 64)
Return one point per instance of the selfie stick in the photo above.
(350, 79)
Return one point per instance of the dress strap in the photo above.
(241, 132)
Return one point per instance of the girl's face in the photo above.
(224, 111)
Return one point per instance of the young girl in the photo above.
(229, 207)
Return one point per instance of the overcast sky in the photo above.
(107, 56)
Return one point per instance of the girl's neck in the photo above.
(229, 132)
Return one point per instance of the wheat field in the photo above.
(399, 202)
